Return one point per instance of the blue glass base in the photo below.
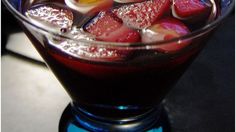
(69, 123)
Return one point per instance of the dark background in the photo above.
(204, 98)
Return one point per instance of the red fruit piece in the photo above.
(144, 14)
(166, 29)
(191, 8)
(52, 17)
(107, 27)
(89, 6)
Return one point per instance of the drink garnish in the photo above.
(166, 29)
(108, 27)
(143, 14)
(193, 10)
(89, 7)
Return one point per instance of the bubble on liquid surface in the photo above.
(51, 17)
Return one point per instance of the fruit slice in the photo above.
(107, 27)
(142, 15)
(89, 6)
(187, 9)
(166, 29)
(51, 17)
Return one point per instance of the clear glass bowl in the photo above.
(121, 92)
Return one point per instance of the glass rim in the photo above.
(191, 35)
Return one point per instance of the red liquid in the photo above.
(140, 79)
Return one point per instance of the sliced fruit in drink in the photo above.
(107, 27)
(193, 10)
(166, 29)
(90, 7)
(144, 14)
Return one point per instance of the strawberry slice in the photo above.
(51, 17)
(185, 9)
(89, 6)
(144, 14)
(166, 29)
(107, 27)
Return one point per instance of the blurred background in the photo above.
(33, 100)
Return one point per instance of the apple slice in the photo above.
(166, 29)
(89, 6)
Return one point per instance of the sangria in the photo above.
(117, 59)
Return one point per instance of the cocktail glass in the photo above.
(122, 93)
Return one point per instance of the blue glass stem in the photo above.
(94, 122)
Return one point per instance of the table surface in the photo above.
(202, 100)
